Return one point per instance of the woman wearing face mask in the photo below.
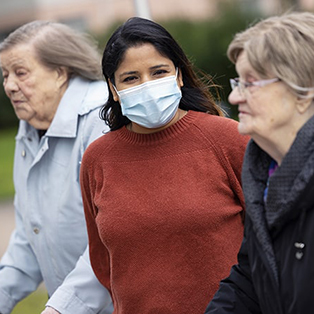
(161, 191)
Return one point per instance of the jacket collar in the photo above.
(286, 185)
(65, 121)
(290, 189)
(254, 178)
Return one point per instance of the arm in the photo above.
(234, 146)
(99, 254)
(18, 265)
(236, 293)
(81, 292)
(223, 137)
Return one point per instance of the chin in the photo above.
(22, 117)
(243, 129)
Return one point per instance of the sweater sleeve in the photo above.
(232, 146)
(99, 255)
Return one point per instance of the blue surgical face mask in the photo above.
(152, 104)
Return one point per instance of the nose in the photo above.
(145, 78)
(235, 97)
(10, 85)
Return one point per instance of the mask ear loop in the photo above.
(114, 87)
(112, 83)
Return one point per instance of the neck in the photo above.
(134, 127)
(277, 149)
(279, 142)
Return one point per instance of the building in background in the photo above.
(269, 7)
(97, 15)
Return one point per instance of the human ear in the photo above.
(303, 104)
(180, 78)
(62, 76)
(113, 91)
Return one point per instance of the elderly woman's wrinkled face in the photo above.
(265, 113)
(34, 90)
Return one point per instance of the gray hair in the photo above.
(57, 45)
(282, 47)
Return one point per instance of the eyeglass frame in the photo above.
(235, 82)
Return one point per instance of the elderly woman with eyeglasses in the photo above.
(274, 94)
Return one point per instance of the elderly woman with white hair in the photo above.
(52, 76)
(274, 94)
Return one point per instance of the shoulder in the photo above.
(96, 96)
(218, 128)
(221, 133)
(97, 91)
(100, 148)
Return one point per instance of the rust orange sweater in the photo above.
(164, 213)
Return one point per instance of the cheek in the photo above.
(37, 95)
(27, 89)
(6, 90)
(288, 103)
(255, 107)
(261, 107)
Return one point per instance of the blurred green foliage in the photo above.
(8, 118)
(33, 304)
(206, 43)
(6, 162)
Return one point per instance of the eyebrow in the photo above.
(15, 64)
(160, 66)
(127, 73)
(151, 68)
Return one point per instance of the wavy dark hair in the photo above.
(136, 31)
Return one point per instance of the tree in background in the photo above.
(206, 42)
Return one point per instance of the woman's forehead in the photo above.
(145, 55)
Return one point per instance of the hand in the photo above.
(50, 310)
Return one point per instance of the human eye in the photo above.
(251, 80)
(5, 75)
(251, 84)
(20, 72)
(160, 73)
(248, 84)
(129, 79)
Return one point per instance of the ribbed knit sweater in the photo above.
(164, 213)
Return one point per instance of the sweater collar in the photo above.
(154, 138)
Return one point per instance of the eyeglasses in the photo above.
(244, 85)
